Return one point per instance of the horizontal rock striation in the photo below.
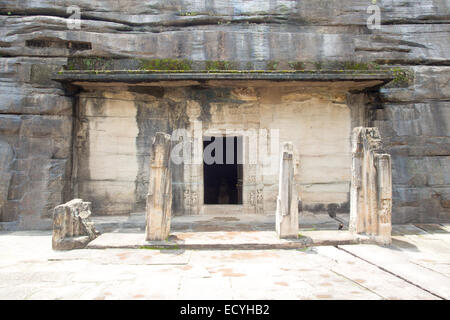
(36, 113)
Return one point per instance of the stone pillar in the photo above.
(159, 198)
(6, 159)
(287, 201)
(72, 228)
(371, 186)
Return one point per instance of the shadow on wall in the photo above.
(331, 208)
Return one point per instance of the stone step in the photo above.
(225, 240)
(213, 209)
(216, 222)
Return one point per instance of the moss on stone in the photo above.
(165, 64)
(402, 77)
(297, 65)
(91, 63)
(272, 65)
(318, 65)
(249, 65)
(156, 247)
(220, 65)
(360, 66)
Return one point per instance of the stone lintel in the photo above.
(355, 80)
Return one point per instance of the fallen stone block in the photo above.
(72, 228)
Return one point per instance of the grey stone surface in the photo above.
(415, 266)
(36, 113)
(72, 228)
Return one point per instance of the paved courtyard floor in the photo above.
(416, 266)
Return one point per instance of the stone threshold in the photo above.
(135, 222)
(227, 240)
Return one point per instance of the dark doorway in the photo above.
(223, 178)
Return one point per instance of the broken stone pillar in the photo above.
(72, 228)
(159, 198)
(371, 186)
(287, 201)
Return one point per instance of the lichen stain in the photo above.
(186, 268)
(323, 296)
(123, 256)
(253, 255)
(284, 284)
(228, 272)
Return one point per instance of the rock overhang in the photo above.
(337, 79)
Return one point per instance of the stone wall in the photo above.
(36, 113)
(115, 130)
(36, 122)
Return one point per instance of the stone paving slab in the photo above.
(432, 228)
(416, 266)
(404, 229)
(251, 240)
(404, 267)
(381, 283)
(224, 222)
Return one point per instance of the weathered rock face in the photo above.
(36, 113)
(72, 228)
(36, 121)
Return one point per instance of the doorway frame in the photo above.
(211, 209)
(239, 167)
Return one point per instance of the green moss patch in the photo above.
(297, 65)
(95, 63)
(165, 64)
(360, 66)
(272, 65)
(220, 65)
(402, 77)
(156, 247)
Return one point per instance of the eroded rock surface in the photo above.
(72, 228)
(36, 114)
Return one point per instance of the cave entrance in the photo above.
(222, 170)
